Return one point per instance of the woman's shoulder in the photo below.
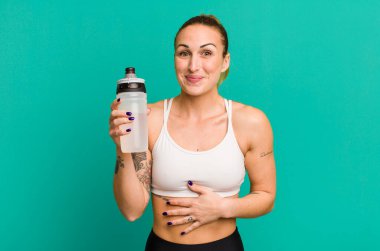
(247, 117)
(156, 110)
(156, 113)
(158, 106)
(241, 110)
(155, 120)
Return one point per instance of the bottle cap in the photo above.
(130, 83)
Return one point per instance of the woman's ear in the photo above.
(226, 62)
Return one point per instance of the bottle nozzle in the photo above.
(130, 70)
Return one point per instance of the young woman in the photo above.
(200, 146)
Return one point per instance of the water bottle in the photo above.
(132, 93)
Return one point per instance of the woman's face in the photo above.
(199, 58)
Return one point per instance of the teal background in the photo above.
(311, 66)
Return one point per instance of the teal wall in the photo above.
(312, 66)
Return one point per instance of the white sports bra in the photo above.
(220, 168)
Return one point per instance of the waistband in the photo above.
(232, 242)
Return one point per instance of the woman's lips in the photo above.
(193, 79)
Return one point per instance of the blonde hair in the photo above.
(211, 21)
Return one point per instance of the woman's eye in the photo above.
(183, 53)
(207, 53)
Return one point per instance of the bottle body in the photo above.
(132, 93)
(137, 139)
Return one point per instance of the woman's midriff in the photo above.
(206, 233)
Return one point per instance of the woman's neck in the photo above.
(199, 107)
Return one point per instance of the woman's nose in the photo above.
(194, 64)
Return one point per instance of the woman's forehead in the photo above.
(197, 35)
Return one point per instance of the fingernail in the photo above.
(182, 233)
(118, 100)
(170, 223)
(129, 129)
(131, 118)
(190, 182)
(167, 203)
(128, 113)
(164, 213)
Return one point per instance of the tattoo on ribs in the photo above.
(143, 169)
(119, 163)
(163, 198)
(263, 154)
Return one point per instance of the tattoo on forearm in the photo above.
(119, 163)
(143, 169)
(138, 160)
(263, 154)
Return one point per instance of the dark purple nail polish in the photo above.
(167, 203)
(131, 118)
(164, 213)
(170, 223)
(182, 233)
(129, 129)
(118, 100)
(128, 113)
(190, 182)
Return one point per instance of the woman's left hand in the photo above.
(201, 210)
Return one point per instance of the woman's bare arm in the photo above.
(132, 177)
(132, 181)
(260, 165)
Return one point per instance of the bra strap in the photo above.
(167, 107)
(229, 111)
(228, 108)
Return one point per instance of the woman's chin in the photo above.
(192, 90)
(195, 91)
(195, 88)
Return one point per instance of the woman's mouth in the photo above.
(193, 78)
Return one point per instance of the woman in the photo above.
(200, 146)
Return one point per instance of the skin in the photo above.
(197, 111)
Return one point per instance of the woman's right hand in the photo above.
(117, 119)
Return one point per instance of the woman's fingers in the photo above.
(119, 121)
(182, 202)
(114, 104)
(193, 226)
(184, 220)
(176, 212)
(120, 113)
(116, 114)
(115, 132)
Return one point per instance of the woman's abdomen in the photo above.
(206, 233)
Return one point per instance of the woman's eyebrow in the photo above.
(207, 44)
(185, 45)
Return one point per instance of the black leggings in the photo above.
(232, 242)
